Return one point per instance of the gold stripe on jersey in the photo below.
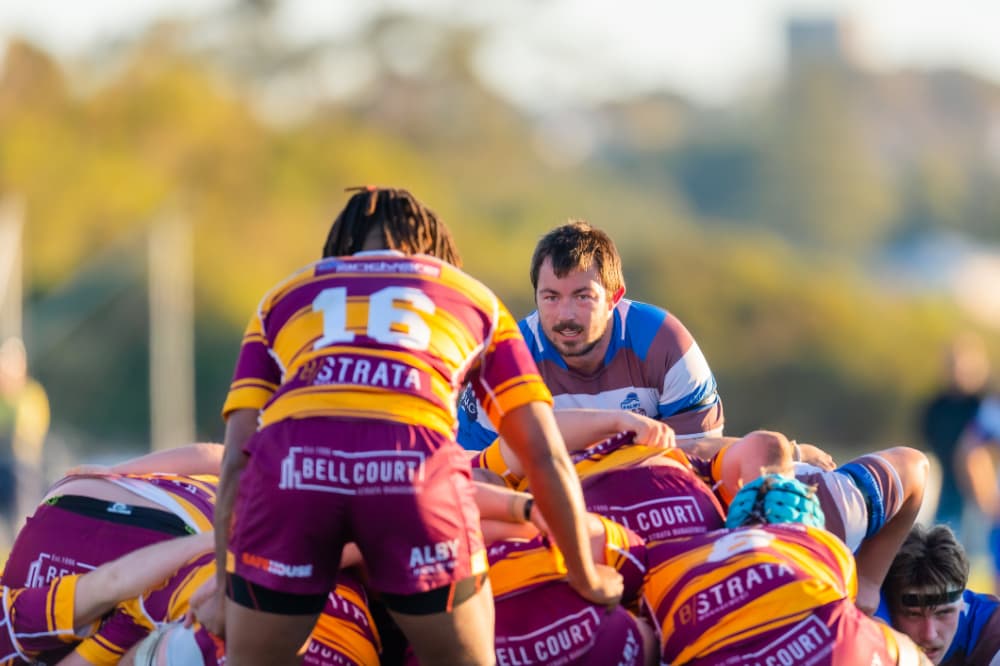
(725, 493)
(616, 544)
(99, 651)
(59, 604)
(491, 458)
(246, 398)
(626, 456)
(521, 569)
(346, 636)
(177, 607)
(782, 606)
(520, 391)
(891, 643)
(387, 406)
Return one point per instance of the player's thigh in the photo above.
(463, 635)
(257, 638)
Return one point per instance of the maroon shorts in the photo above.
(552, 624)
(655, 501)
(403, 493)
(77, 534)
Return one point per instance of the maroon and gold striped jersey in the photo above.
(732, 591)
(381, 335)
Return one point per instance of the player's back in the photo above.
(540, 619)
(374, 336)
(759, 593)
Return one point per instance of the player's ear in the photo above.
(618, 295)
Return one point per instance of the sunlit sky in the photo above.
(566, 50)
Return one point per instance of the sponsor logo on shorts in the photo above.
(325, 470)
(556, 642)
(805, 643)
(49, 566)
(277, 568)
(734, 590)
(660, 518)
(631, 403)
(433, 558)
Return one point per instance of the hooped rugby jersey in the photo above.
(345, 632)
(380, 335)
(36, 620)
(134, 619)
(726, 589)
(653, 366)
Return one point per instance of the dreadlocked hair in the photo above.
(404, 223)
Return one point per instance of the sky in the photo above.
(559, 51)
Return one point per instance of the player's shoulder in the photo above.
(644, 319)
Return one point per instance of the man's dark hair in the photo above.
(404, 223)
(931, 560)
(579, 246)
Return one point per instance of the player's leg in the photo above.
(258, 638)
(420, 537)
(461, 635)
(284, 545)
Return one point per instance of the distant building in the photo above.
(824, 40)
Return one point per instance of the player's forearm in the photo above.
(240, 426)
(582, 427)
(981, 476)
(129, 576)
(497, 503)
(201, 458)
(532, 433)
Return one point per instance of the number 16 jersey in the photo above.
(385, 336)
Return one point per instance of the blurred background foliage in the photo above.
(769, 226)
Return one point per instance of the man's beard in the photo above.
(561, 345)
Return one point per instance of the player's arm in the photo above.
(98, 591)
(876, 553)
(533, 435)
(582, 427)
(976, 469)
(241, 424)
(193, 459)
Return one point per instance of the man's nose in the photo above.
(927, 629)
(565, 309)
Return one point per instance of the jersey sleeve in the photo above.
(507, 377)
(257, 374)
(38, 619)
(689, 399)
(118, 632)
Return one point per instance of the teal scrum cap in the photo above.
(772, 499)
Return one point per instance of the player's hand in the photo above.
(816, 456)
(649, 432)
(538, 520)
(606, 588)
(208, 606)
